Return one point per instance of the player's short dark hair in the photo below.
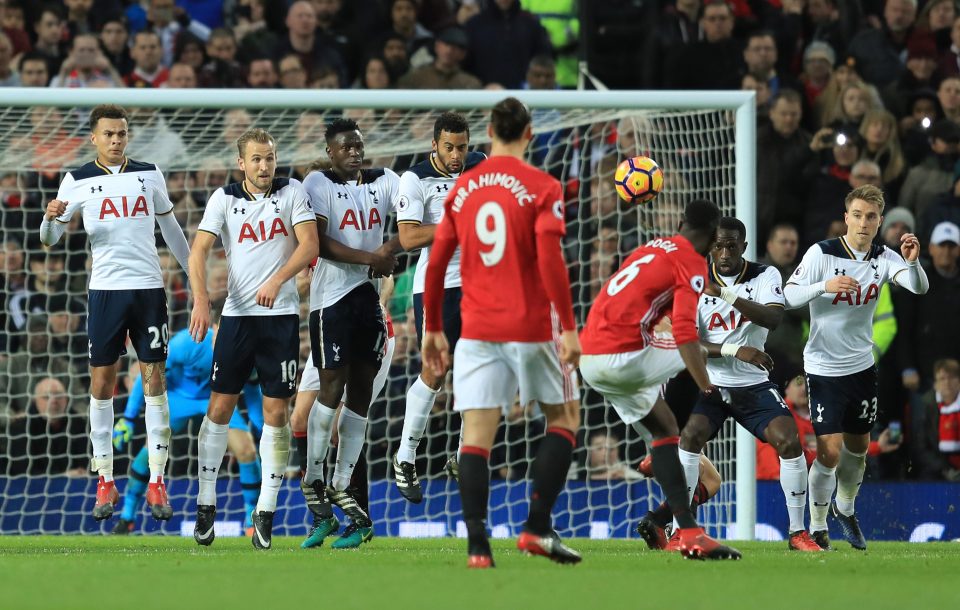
(451, 122)
(147, 33)
(107, 111)
(730, 223)
(509, 118)
(222, 33)
(260, 136)
(338, 126)
(33, 56)
(115, 18)
(761, 33)
(706, 3)
(48, 8)
(543, 60)
(701, 215)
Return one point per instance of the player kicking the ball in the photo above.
(507, 218)
(626, 361)
(841, 279)
(269, 234)
(120, 201)
(742, 301)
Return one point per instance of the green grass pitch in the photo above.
(143, 573)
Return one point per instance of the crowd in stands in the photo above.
(848, 92)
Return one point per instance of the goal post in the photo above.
(705, 142)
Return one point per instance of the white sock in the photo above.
(274, 453)
(420, 399)
(691, 471)
(793, 480)
(101, 434)
(849, 477)
(319, 424)
(157, 417)
(822, 482)
(211, 445)
(352, 429)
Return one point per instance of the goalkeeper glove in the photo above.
(122, 433)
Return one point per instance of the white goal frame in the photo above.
(741, 103)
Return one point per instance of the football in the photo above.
(638, 180)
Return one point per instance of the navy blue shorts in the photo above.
(111, 314)
(351, 330)
(451, 316)
(843, 404)
(269, 344)
(763, 404)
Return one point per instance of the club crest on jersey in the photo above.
(373, 194)
(259, 232)
(143, 185)
(861, 298)
(276, 205)
(358, 222)
(876, 269)
(122, 208)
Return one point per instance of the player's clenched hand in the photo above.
(910, 247)
(383, 261)
(842, 284)
(267, 294)
(55, 209)
(752, 355)
(570, 348)
(199, 320)
(436, 352)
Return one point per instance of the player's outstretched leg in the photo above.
(694, 542)
(549, 474)
(653, 526)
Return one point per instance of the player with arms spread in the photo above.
(841, 280)
(347, 326)
(627, 361)
(423, 189)
(269, 234)
(742, 301)
(507, 218)
(120, 201)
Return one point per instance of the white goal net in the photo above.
(704, 144)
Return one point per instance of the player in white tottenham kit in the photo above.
(324, 522)
(119, 201)
(269, 234)
(841, 279)
(742, 301)
(423, 189)
(347, 328)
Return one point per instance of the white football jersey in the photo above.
(119, 206)
(258, 237)
(356, 213)
(720, 322)
(841, 326)
(423, 191)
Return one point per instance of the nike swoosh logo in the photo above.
(207, 535)
(264, 543)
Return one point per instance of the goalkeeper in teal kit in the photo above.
(188, 387)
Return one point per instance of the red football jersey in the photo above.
(663, 277)
(495, 213)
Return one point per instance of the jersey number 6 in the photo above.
(627, 274)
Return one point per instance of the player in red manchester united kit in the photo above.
(627, 361)
(507, 219)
